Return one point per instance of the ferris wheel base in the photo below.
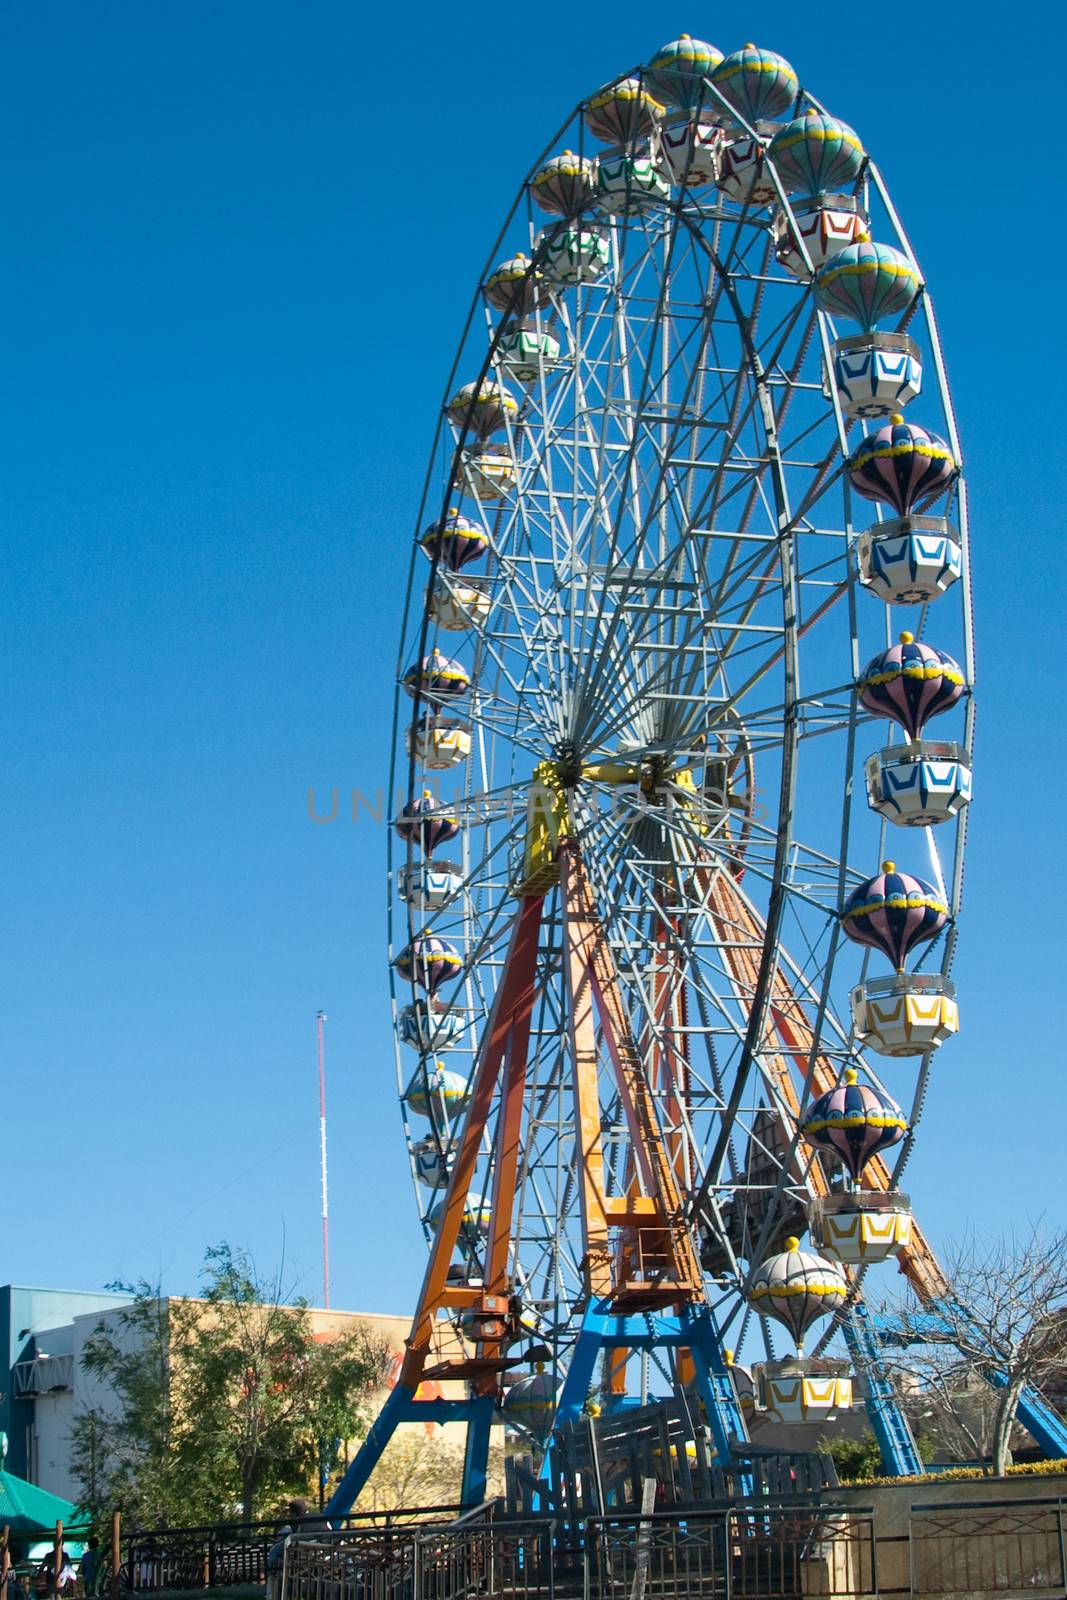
(691, 1328)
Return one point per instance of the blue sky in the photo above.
(239, 244)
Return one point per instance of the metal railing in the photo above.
(779, 1553)
(195, 1558)
(354, 1564)
(802, 1550)
(988, 1547)
(762, 1550)
(670, 1558)
(235, 1554)
(516, 1559)
(736, 1554)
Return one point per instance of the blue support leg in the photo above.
(476, 1455)
(579, 1378)
(369, 1453)
(900, 1454)
(714, 1382)
(715, 1386)
(1045, 1426)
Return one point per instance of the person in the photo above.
(90, 1565)
(296, 1512)
(42, 1582)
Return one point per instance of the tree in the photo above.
(854, 1458)
(415, 1470)
(209, 1408)
(126, 1444)
(418, 1468)
(861, 1459)
(265, 1391)
(1004, 1324)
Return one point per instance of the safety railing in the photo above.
(670, 1558)
(353, 1564)
(803, 1550)
(775, 1553)
(736, 1554)
(235, 1555)
(194, 1558)
(518, 1560)
(988, 1548)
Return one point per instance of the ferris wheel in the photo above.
(678, 845)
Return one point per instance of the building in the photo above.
(44, 1333)
(37, 1347)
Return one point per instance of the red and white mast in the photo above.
(320, 1018)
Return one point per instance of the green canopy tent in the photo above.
(32, 1513)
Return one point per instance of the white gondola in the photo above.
(526, 352)
(433, 1161)
(876, 374)
(795, 1390)
(628, 184)
(906, 1014)
(428, 885)
(438, 742)
(861, 1227)
(428, 1031)
(575, 253)
(909, 560)
(742, 174)
(459, 604)
(825, 223)
(490, 472)
(688, 152)
(919, 784)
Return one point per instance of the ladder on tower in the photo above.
(900, 1453)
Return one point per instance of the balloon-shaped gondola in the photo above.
(894, 912)
(867, 282)
(817, 154)
(436, 677)
(910, 682)
(565, 184)
(455, 540)
(760, 84)
(677, 74)
(853, 1121)
(902, 465)
(428, 962)
(517, 286)
(436, 1092)
(797, 1287)
(484, 407)
(622, 112)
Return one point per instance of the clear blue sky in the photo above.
(238, 245)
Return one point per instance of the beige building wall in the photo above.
(423, 1461)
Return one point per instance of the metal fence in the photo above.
(194, 1558)
(739, 1555)
(521, 1560)
(772, 1554)
(988, 1548)
(666, 1557)
(770, 1551)
(803, 1550)
(355, 1564)
(235, 1555)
